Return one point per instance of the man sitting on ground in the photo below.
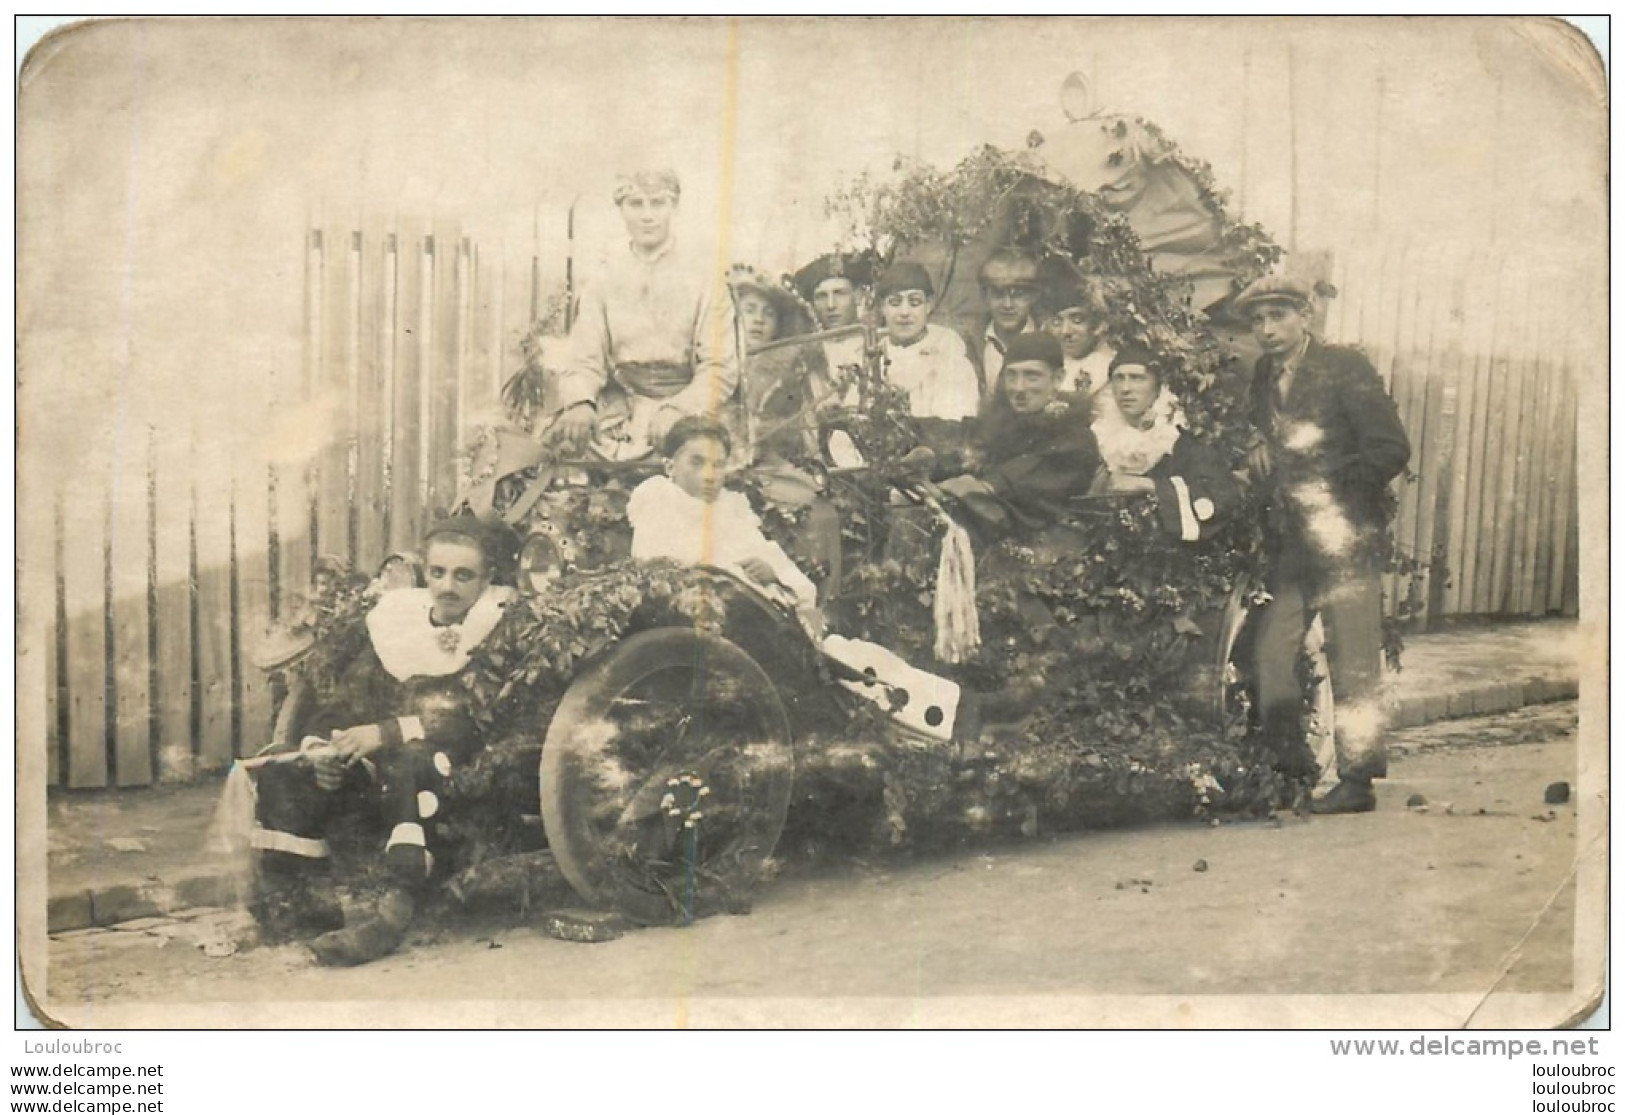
(383, 744)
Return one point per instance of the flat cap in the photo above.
(1274, 288)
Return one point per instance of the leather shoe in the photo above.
(1348, 796)
(370, 938)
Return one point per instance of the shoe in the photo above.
(369, 939)
(1348, 796)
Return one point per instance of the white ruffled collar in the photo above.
(410, 646)
(1131, 450)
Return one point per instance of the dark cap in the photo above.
(904, 275)
(1034, 346)
(1138, 354)
(858, 267)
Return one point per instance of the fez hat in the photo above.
(1273, 288)
(858, 267)
(1034, 346)
(904, 275)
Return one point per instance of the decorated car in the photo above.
(669, 733)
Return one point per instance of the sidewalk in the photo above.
(120, 856)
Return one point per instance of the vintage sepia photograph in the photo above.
(812, 522)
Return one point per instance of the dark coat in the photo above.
(1338, 426)
(1195, 489)
(1036, 462)
(365, 693)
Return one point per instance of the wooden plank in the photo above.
(1484, 466)
(212, 516)
(129, 580)
(174, 695)
(446, 419)
(1406, 377)
(1475, 278)
(406, 451)
(1560, 479)
(372, 404)
(1435, 456)
(251, 565)
(428, 372)
(1433, 295)
(1565, 534)
(1396, 279)
(1513, 422)
(332, 331)
(1537, 544)
(294, 473)
(1537, 442)
(56, 707)
(84, 575)
(472, 403)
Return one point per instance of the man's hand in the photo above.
(574, 427)
(1260, 461)
(351, 745)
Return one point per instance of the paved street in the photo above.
(1470, 891)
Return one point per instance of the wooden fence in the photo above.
(1483, 357)
(166, 577)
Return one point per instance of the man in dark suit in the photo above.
(1329, 443)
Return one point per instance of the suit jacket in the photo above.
(1337, 432)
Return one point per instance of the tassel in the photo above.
(958, 630)
(234, 815)
(232, 824)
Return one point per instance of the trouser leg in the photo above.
(1277, 647)
(411, 791)
(1351, 610)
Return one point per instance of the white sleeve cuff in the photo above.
(411, 728)
(1189, 529)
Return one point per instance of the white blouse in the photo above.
(667, 522)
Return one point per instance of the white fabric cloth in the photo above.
(409, 645)
(667, 522)
(1133, 451)
(937, 374)
(1090, 376)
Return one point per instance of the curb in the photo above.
(1481, 700)
(121, 902)
(104, 906)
